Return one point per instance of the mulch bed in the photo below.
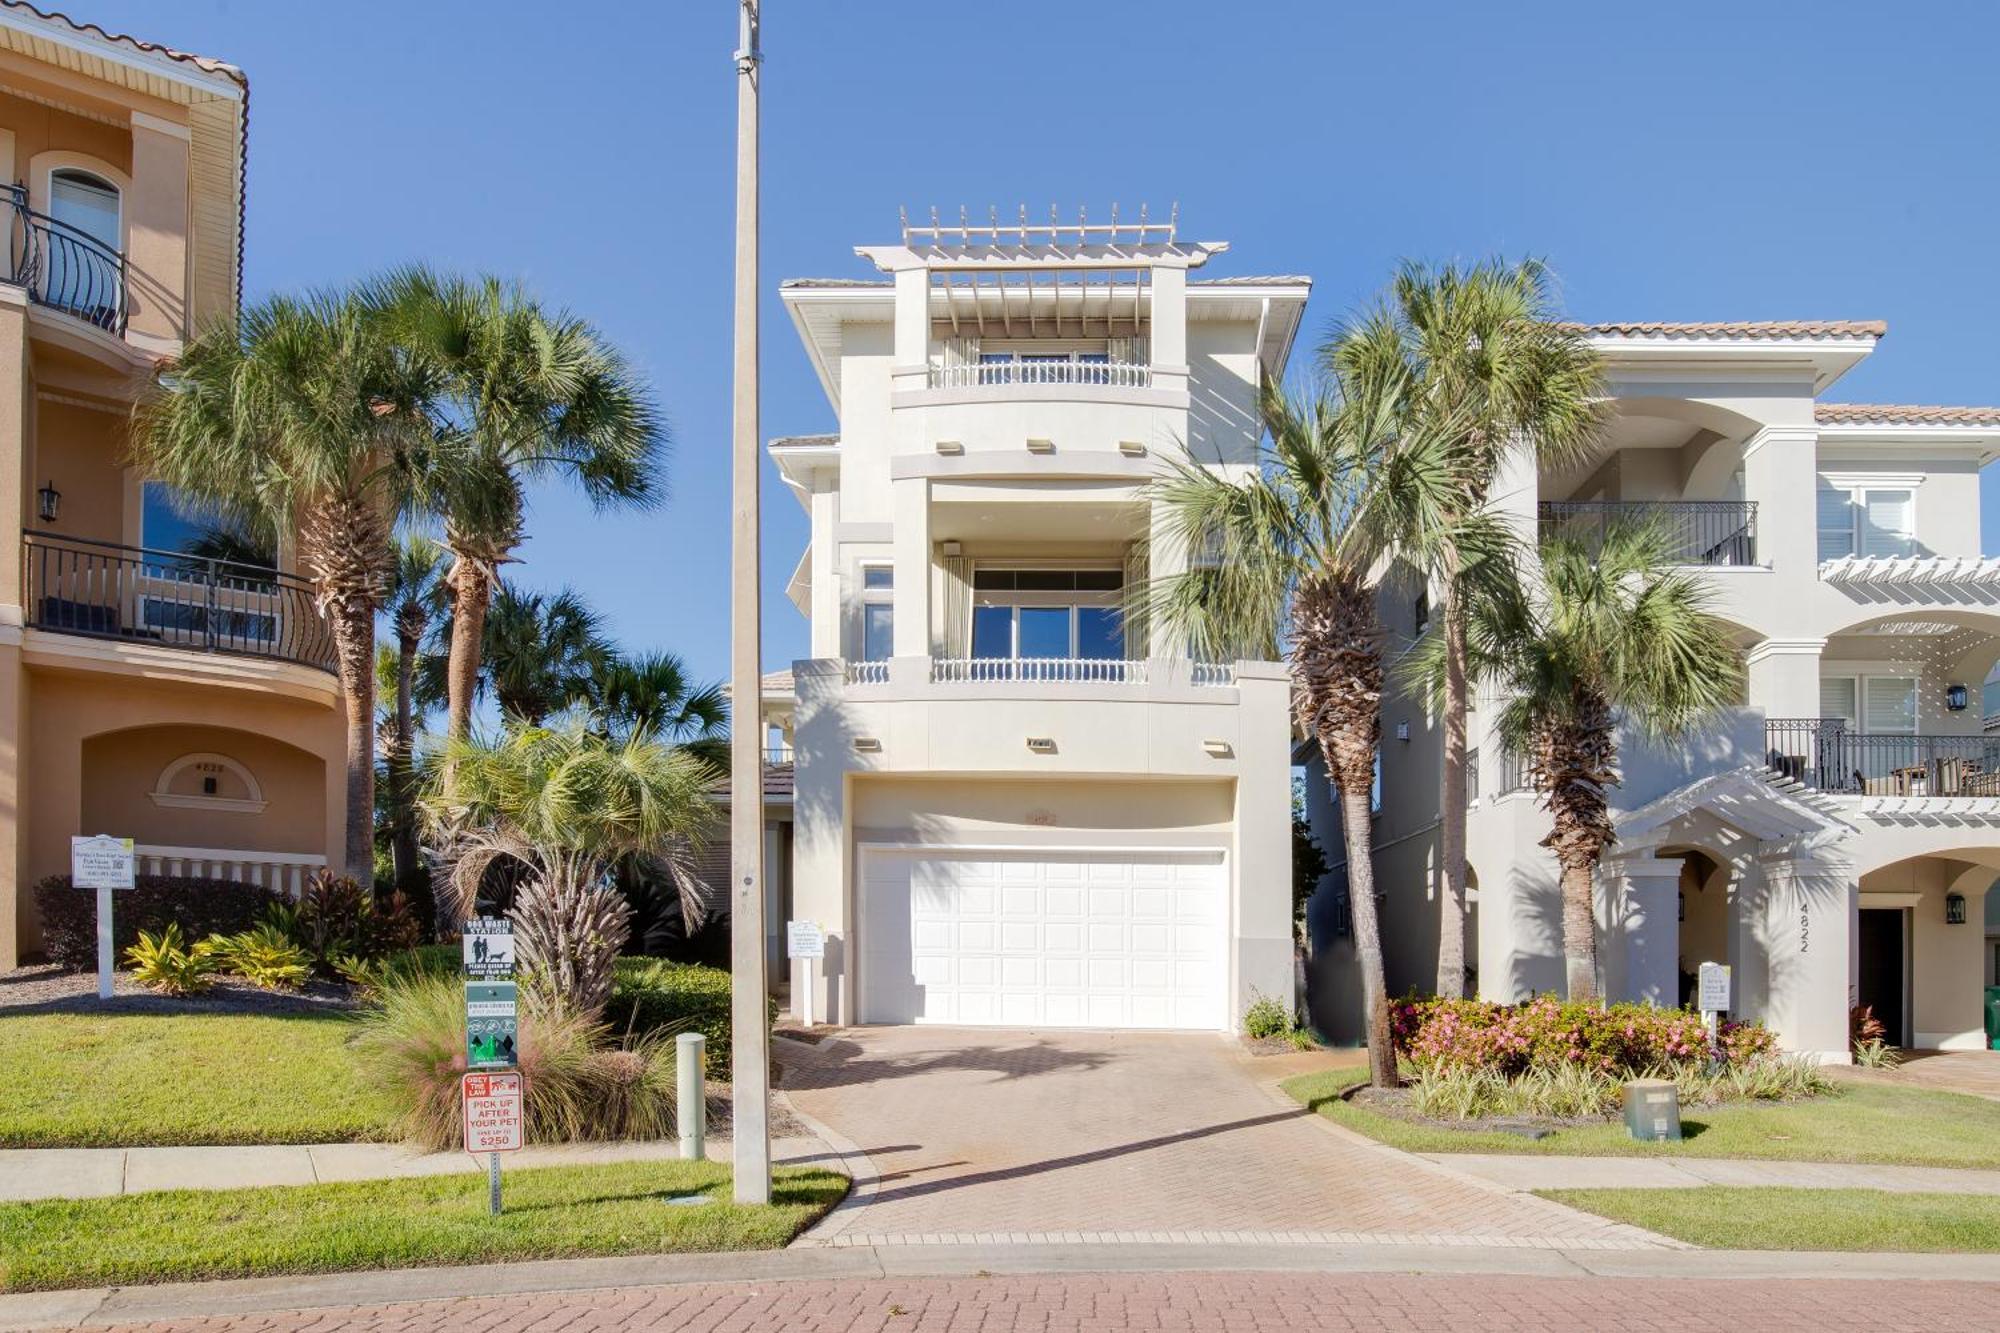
(48, 989)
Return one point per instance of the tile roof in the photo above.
(779, 681)
(205, 63)
(836, 282)
(1903, 414)
(803, 441)
(1783, 328)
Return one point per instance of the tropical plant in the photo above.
(337, 917)
(265, 956)
(1480, 346)
(417, 597)
(531, 393)
(1287, 556)
(654, 694)
(165, 963)
(543, 650)
(297, 417)
(1608, 632)
(561, 807)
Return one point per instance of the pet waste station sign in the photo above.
(492, 1094)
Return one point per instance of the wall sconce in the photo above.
(868, 744)
(1041, 744)
(1219, 749)
(1954, 698)
(951, 549)
(1954, 909)
(952, 447)
(1403, 730)
(1131, 448)
(1041, 446)
(48, 502)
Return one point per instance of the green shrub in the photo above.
(1548, 1033)
(1579, 1092)
(1266, 1017)
(338, 917)
(412, 1044)
(165, 963)
(265, 957)
(200, 907)
(650, 996)
(438, 960)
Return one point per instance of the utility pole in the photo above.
(749, 1032)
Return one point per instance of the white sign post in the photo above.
(1712, 990)
(806, 941)
(103, 863)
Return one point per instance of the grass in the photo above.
(81, 1081)
(1768, 1218)
(550, 1212)
(1866, 1122)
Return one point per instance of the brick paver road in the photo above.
(992, 1135)
(1247, 1302)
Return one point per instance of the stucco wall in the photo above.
(121, 770)
(82, 451)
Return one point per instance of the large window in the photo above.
(1874, 705)
(878, 613)
(1069, 614)
(168, 521)
(1865, 519)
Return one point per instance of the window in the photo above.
(170, 522)
(1471, 775)
(1420, 614)
(878, 613)
(1872, 705)
(1865, 520)
(87, 203)
(1047, 613)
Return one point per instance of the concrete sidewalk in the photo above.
(1525, 1172)
(90, 1173)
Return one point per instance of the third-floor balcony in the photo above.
(1054, 671)
(65, 268)
(1051, 370)
(1826, 754)
(1697, 532)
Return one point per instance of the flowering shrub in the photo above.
(1549, 1034)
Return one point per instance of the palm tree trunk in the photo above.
(1452, 801)
(1356, 827)
(354, 657)
(471, 581)
(402, 768)
(1579, 930)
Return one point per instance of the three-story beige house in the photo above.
(160, 678)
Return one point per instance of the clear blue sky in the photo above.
(1686, 161)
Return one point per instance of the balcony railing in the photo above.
(285, 872)
(66, 269)
(1115, 374)
(963, 670)
(104, 591)
(1825, 755)
(1698, 532)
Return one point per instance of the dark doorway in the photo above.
(1881, 981)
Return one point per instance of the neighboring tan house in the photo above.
(145, 691)
(1013, 806)
(1833, 838)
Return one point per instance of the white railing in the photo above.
(287, 872)
(967, 670)
(1211, 673)
(1112, 374)
(867, 673)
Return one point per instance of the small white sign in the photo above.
(804, 939)
(1713, 985)
(488, 944)
(101, 862)
(494, 1108)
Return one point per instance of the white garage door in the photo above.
(1043, 939)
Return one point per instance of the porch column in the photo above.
(1166, 556)
(1784, 679)
(912, 596)
(1809, 907)
(823, 734)
(1643, 892)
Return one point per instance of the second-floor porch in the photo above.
(1829, 754)
(1695, 532)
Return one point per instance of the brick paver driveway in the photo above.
(985, 1134)
(1253, 1302)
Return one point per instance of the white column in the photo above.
(1166, 556)
(1167, 333)
(1808, 913)
(822, 751)
(912, 545)
(1644, 893)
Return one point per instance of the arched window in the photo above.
(88, 203)
(81, 270)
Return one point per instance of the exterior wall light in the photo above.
(1954, 909)
(1041, 744)
(1955, 698)
(1131, 448)
(48, 502)
(867, 743)
(1041, 446)
(950, 447)
(1220, 749)
(1403, 731)
(951, 548)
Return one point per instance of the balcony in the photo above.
(1823, 754)
(170, 599)
(950, 671)
(1042, 371)
(65, 269)
(1698, 532)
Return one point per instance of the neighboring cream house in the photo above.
(182, 701)
(1832, 839)
(1012, 805)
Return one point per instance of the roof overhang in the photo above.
(1742, 798)
(1826, 357)
(1919, 435)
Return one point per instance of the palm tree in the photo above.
(653, 693)
(542, 652)
(1482, 344)
(416, 598)
(563, 806)
(1608, 632)
(297, 417)
(529, 393)
(1286, 557)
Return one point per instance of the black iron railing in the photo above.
(1825, 754)
(1699, 532)
(66, 269)
(77, 586)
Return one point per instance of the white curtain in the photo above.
(1126, 351)
(957, 606)
(1137, 569)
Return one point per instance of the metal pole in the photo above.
(493, 1183)
(750, 1037)
(691, 1107)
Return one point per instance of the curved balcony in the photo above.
(170, 599)
(1041, 371)
(66, 269)
(1697, 532)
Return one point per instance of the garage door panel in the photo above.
(1056, 939)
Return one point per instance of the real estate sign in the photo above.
(1712, 984)
(804, 939)
(103, 863)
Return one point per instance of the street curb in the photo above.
(863, 1178)
(117, 1305)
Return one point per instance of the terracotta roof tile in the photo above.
(205, 63)
(1784, 328)
(1903, 414)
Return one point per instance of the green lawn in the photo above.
(1866, 1122)
(551, 1212)
(1728, 1218)
(77, 1080)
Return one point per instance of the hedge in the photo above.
(652, 995)
(201, 907)
(1547, 1033)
